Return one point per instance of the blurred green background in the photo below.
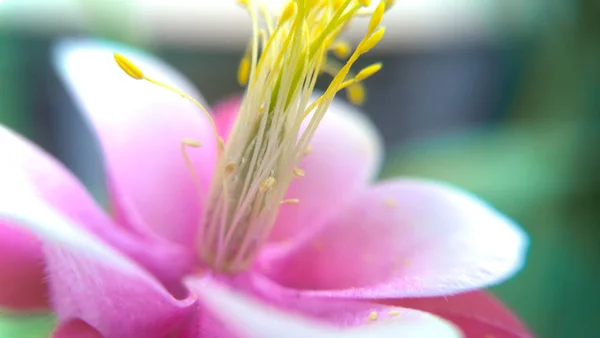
(514, 118)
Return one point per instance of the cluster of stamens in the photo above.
(268, 140)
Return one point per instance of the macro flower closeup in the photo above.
(258, 218)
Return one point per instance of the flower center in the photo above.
(280, 68)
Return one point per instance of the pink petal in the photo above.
(76, 328)
(346, 155)
(140, 127)
(117, 301)
(476, 313)
(22, 284)
(291, 315)
(28, 169)
(89, 280)
(405, 238)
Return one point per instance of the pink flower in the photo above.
(225, 242)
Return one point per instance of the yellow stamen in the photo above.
(128, 67)
(264, 11)
(270, 135)
(132, 70)
(188, 142)
(307, 151)
(376, 17)
(371, 41)
(368, 71)
(373, 316)
(356, 94)
(288, 12)
(299, 173)
(244, 71)
(369, 12)
(290, 201)
(268, 184)
(341, 49)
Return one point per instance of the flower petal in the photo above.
(22, 284)
(346, 152)
(252, 318)
(89, 280)
(28, 172)
(405, 238)
(76, 328)
(478, 314)
(140, 127)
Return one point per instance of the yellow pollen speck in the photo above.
(128, 67)
(290, 201)
(390, 202)
(268, 184)
(356, 94)
(394, 313)
(365, 3)
(230, 168)
(373, 316)
(299, 173)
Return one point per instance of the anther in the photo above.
(341, 49)
(307, 151)
(132, 70)
(371, 41)
(288, 12)
(230, 168)
(356, 94)
(128, 67)
(368, 71)
(299, 173)
(290, 201)
(376, 17)
(268, 184)
(244, 71)
(373, 316)
(190, 142)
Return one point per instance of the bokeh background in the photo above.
(500, 97)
